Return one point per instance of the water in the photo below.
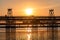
(31, 34)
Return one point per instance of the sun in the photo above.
(29, 11)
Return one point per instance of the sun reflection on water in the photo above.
(29, 33)
(29, 36)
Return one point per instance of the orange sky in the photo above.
(41, 7)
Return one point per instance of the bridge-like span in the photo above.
(12, 22)
(41, 21)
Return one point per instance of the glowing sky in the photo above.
(41, 7)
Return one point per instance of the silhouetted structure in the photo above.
(50, 22)
(53, 29)
(51, 12)
(10, 29)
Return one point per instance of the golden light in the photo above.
(29, 36)
(29, 11)
(29, 30)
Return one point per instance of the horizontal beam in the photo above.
(29, 17)
(28, 23)
(26, 26)
(35, 20)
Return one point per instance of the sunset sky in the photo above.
(28, 8)
(40, 7)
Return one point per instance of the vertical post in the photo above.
(34, 29)
(52, 24)
(10, 29)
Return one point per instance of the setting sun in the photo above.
(29, 11)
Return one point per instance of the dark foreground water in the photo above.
(31, 34)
